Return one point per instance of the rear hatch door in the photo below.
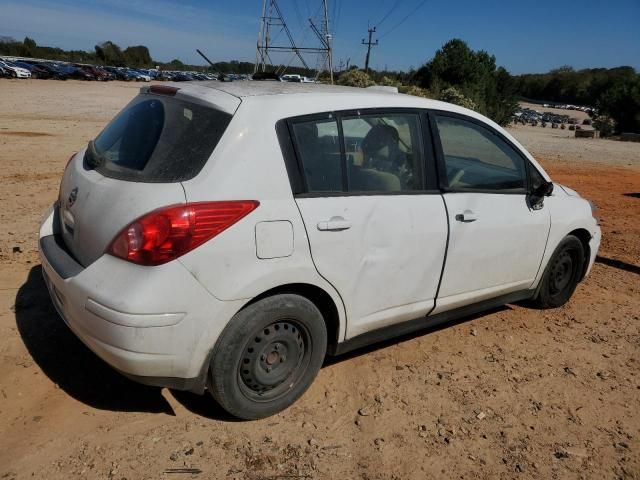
(134, 166)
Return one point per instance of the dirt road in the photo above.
(517, 393)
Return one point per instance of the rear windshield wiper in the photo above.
(92, 157)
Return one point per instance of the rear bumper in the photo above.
(156, 325)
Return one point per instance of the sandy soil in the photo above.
(516, 393)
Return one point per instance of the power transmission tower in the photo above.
(272, 22)
(369, 44)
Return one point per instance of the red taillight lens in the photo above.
(165, 234)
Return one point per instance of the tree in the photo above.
(137, 56)
(110, 53)
(475, 78)
(175, 64)
(621, 102)
(29, 47)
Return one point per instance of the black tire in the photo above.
(562, 274)
(267, 356)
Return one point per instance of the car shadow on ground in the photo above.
(71, 365)
(619, 264)
(409, 336)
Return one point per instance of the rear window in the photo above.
(156, 139)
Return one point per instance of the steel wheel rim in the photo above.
(562, 272)
(274, 360)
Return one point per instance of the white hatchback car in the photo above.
(226, 236)
(14, 70)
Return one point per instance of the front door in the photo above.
(376, 233)
(497, 239)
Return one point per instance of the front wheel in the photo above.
(267, 356)
(562, 274)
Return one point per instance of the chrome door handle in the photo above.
(335, 224)
(466, 217)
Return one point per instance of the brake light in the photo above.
(167, 233)
(164, 90)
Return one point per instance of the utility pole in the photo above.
(369, 44)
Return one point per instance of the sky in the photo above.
(526, 36)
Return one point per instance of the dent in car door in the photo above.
(386, 265)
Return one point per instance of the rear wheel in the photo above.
(267, 356)
(562, 274)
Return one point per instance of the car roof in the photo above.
(251, 88)
(311, 94)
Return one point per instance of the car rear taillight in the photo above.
(167, 233)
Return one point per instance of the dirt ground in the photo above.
(516, 393)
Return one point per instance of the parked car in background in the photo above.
(249, 228)
(37, 71)
(53, 70)
(14, 70)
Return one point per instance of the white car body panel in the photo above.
(387, 264)
(506, 232)
(163, 321)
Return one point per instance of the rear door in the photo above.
(496, 239)
(376, 227)
(135, 166)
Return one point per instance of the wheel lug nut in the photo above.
(277, 347)
(282, 358)
(263, 357)
(268, 369)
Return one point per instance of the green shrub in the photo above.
(604, 124)
(452, 95)
(355, 78)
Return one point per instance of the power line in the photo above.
(391, 10)
(403, 20)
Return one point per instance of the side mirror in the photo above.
(536, 197)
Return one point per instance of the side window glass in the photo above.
(383, 152)
(477, 159)
(318, 147)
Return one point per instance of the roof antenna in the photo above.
(205, 57)
(222, 77)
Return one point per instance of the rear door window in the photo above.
(157, 139)
(318, 146)
(384, 152)
(363, 153)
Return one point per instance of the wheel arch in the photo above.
(320, 298)
(585, 237)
